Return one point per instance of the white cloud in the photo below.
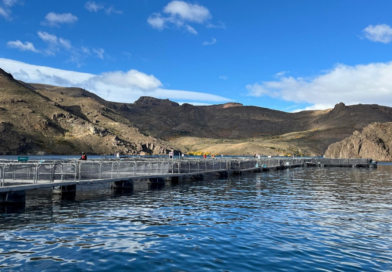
(187, 12)
(54, 19)
(194, 96)
(27, 46)
(191, 29)
(368, 84)
(224, 77)
(281, 74)
(113, 86)
(99, 52)
(54, 43)
(132, 79)
(76, 54)
(93, 7)
(156, 21)
(180, 14)
(85, 50)
(378, 33)
(213, 41)
(65, 43)
(316, 107)
(112, 10)
(10, 3)
(4, 13)
(220, 24)
(46, 37)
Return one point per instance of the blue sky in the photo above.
(281, 54)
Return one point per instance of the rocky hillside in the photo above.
(32, 123)
(307, 132)
(375, 141)
(43, 118)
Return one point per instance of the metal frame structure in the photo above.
(73, 170)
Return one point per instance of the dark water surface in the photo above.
(307, 219)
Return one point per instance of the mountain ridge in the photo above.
(155, 126)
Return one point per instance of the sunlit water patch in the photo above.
(293, 220)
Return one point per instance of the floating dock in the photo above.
(65, 176)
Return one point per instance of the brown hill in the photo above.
(251, 129)
(67, 120)
(315, 129)
(375, 141)
(32, 123)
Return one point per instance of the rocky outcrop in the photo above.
(147, 101)
(375, 142)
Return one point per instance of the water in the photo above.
(292, 220)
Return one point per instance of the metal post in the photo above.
(4, 174)
(111, 172)
(74, 165)
(36, 173)
(80, 174)
(100, 170)
(54, 172)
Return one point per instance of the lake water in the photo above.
(304, 219)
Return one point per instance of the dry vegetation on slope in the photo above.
(35, 121)
(41, 118)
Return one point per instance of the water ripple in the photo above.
(292, 220)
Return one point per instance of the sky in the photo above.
(288, 55)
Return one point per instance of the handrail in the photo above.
(35, 171)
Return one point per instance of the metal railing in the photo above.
(51, 171)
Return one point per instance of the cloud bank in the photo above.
(115, 86)
(367, 84)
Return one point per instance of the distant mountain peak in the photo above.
(148, 101)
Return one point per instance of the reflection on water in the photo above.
(328, 219)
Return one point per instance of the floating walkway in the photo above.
(64, 176)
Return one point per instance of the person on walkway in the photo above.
(83, 157)
(204, 156)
